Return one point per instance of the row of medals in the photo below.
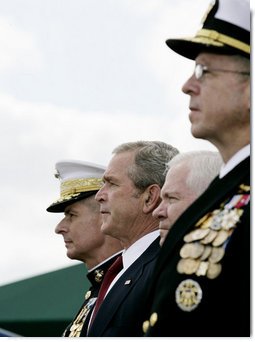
(204, 247)
(77, 325)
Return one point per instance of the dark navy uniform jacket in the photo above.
(95, 277)
(187, 304)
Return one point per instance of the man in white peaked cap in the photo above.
(81, 232)
(201, 283)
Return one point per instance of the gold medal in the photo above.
(213, 270)
(207, 224)
(220, 238)
(231, 218)
(73, 327)
(209, 237)
(244, 187)
(202, 269)
(188, 266)
(77, 331)
(202, 220)
(77, 325)
(192, 250)
(196, 234)
(216, 222)
(79, 328)
(206, 253)
(188, 295)
(217, 254)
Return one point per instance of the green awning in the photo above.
(44, 305)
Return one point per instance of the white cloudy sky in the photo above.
(77, 78)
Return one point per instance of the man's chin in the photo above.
(163, 235)
(105, 228)
(162, 240)
(71, 255)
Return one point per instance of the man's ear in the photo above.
(151, 198)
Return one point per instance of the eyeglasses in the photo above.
(201, 70)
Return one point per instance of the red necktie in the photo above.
(115, 268)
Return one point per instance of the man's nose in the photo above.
(61, 227)
(100, 195)
(159, 211)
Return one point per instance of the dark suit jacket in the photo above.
(224, 309)
(125, 307)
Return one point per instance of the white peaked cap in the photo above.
(78, 180)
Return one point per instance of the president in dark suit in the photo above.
(123, 308)
(201, 283)
(131, 191)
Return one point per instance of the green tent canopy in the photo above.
(44, 305)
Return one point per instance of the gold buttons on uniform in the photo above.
(87, 295)
(146, 325)
(99, 274)
(150, 323)
(153, 319)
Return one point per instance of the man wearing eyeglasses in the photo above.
(201, 283)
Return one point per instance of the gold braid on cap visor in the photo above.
(74, 187)
(217, 39)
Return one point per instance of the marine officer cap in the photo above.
(78, 180)
(225, 30)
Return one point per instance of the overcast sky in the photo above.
(77, 78)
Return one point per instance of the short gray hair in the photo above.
(151, 158)
(203, 166)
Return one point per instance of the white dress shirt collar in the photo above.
(134, 251)
(130, 255)
(235, 160)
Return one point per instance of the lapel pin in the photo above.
(127, 282)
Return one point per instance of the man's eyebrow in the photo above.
(170, 193)
(108, 178)
(66, 211)
(71, 210)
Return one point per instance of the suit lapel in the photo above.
(121, 289)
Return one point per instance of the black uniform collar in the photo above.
(96, 275)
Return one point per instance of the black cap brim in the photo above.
(191, 48)
(59, 207)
